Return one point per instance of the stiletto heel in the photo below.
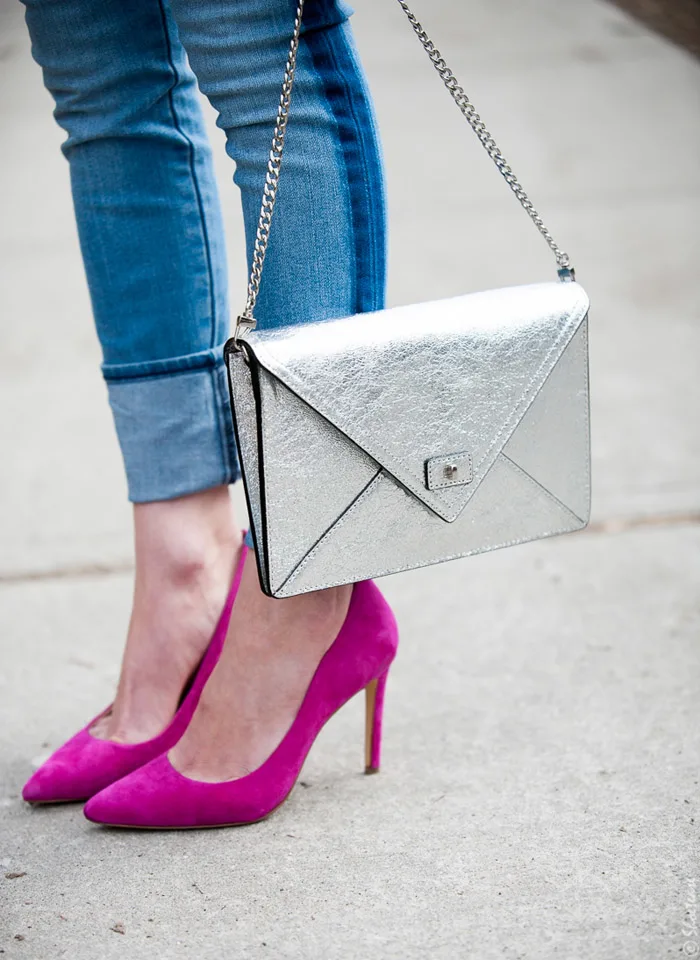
(85, 764)
(159, 796)
(374, 710)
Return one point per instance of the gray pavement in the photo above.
(539, 796)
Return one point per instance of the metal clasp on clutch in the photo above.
(243, 325)
(448, 471)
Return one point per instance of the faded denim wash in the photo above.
(124, 74)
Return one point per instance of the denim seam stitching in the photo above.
(200, 367)
(365, 160)
(322, 38)
(193, 172)
(356, 215)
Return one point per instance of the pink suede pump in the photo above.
(85, 764)
(157, 796)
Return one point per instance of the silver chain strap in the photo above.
(488, 143)
(246, 321)
(274, 164)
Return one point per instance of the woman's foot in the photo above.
(234, 736)
(272, 650)
(186, 551)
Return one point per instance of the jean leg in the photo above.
(150, 231)
(327, 248)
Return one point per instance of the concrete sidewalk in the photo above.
(539, 797)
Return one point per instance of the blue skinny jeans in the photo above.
(123, 74)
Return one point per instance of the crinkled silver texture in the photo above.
(351, 410)
(322, 461)
(243, 401)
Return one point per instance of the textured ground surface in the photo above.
(539, 797)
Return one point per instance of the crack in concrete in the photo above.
(624, 524)
(77, 572)
(613, 525)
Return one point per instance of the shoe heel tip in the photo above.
(371, 770)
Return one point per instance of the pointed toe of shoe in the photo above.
(143, 799)
(158, 797)
(69, 775)
(83, 766)
(48, 785)
(104, 809)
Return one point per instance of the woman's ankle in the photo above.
(186, 552)
(182, 540)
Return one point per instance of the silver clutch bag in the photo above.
(386, 441)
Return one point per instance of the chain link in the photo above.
(274, 164)
(272, 177)
(489, 144)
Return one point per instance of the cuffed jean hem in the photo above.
(174, 427)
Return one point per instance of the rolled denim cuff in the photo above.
(174, 425)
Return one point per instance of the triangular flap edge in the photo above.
(261, 353)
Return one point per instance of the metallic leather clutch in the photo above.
(386, 441)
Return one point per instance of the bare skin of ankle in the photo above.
(272, 650)
(186, 554)
(186, 551)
